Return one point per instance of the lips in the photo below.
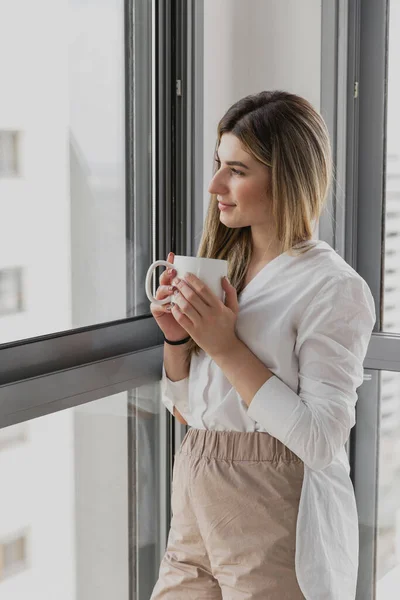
(224, 204)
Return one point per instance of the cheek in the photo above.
(247, 189)
(252, 195)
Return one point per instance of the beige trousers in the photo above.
(235, 499)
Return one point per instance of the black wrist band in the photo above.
(178, 342)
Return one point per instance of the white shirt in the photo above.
(309, 319)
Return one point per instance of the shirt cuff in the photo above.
(276, 407)
(175, 393)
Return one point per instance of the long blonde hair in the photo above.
(285, 133)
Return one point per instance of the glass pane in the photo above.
(80, 501)
(388, 526)
(391, 300)
(74, 248)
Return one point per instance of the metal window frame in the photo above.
(189, 127)
(43, 375)
(370, 214)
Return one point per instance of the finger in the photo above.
(191, 302)
(181, 316)
(167, 275)
(163, 291)
(200, 288)
(160, 309)
(186, 306)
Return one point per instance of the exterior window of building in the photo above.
(13, 436)
(13, 556)
(392, 245)
(388, 526)
(11, 300)
(9, 163)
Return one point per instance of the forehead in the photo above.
(230, 148)
(230, 145)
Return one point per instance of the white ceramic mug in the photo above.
(209, 270)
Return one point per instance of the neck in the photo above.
(265, 254)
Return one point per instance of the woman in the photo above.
(262, 503)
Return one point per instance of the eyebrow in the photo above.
(232, 163)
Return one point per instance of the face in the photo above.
(243, 185)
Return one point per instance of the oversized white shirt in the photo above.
(309, 319)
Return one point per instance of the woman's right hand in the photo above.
(165, 320)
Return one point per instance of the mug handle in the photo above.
(157, 263)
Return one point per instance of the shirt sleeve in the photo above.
(332, 341)
(175, 393)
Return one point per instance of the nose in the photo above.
(218, 185)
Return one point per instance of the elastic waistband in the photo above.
(235, 445)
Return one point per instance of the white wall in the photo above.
(255, 45)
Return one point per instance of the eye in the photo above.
(240, 173)
(236, 171)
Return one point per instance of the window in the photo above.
(87, 484)
(11, 294)
(388, 522)
(13, 555)
(9, 154)
(80, 220)
(13, 436)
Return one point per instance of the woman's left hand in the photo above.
(208, 321)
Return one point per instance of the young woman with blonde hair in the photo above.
(263, 506)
